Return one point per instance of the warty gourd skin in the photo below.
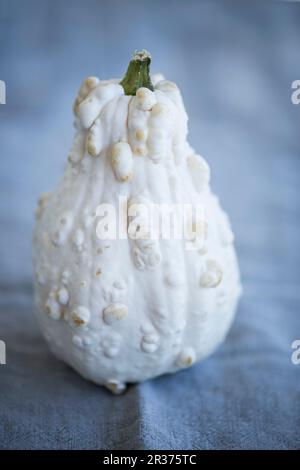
(125, 310)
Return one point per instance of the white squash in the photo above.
(126, 310)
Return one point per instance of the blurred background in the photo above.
(234, 63)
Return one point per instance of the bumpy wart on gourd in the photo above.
(121, 311)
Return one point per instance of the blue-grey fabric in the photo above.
(234, 62)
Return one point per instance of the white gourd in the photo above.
(126, 310)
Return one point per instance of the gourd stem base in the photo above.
(138, 73)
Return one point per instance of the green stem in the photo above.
(138, 73)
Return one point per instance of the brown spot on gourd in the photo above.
(115, 386)
(123, 179)
(114, 313)
(77, 321)
(140, 135)
(186, 358)
(80, 316)
(139, 151)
